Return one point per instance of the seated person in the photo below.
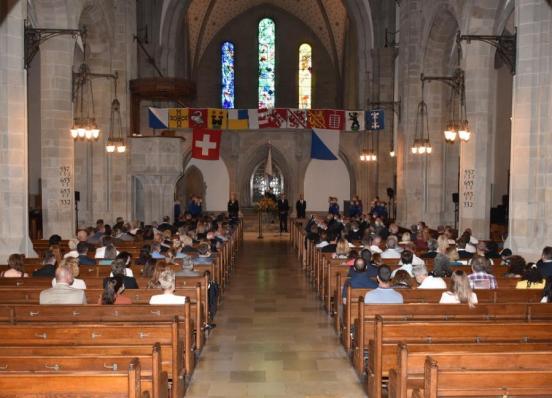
(113, 292)
(431, 249)
(342, 249)
(48, 265)
(126, 257)
(545, 263)
(516, 267)
(323, 240)
(118, 268)
(108, 246)
(480, 278)
(72, 244)
(82, 249)
(547, 292)
(167, 283)
(375, 245)
(461, 243)
(426, 281)
(393, 249)
(359, 278)
(187, 268)
(401, 280)
(461, 291)
(156, 251)
(354, 233)
(384, 294)
(72, 264)
(532, 278)
(406, 263)
(16, 267)
(63, 293)
(203, 254)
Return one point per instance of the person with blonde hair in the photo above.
(461, 291)
(441, 262)
(167, 282)
(342, 248)
(72, 264)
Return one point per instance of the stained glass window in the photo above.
(227, 62)
(267, 63)
(305, 76)
(260, 182)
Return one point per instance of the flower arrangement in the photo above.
(265, 205)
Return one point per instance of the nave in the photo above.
(272, 337)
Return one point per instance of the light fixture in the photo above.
(392, 153)
(368, 155)
(464, 133)
(84, 121)
(115, 140)
(421, 145)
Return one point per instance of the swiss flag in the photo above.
(206, 144)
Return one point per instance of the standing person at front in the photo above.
(233, 207)
(283, 210)
(301, 207)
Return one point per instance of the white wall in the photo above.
(325, 178)
(217, 183)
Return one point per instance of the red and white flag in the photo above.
(335, 119)
(275, 118)
(297, 119)
(206, 144)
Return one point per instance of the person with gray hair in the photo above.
(426, 281)
(393, 249)
(167, 281)
(187, 268)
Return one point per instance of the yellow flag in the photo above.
(217, 119)
(178, 118)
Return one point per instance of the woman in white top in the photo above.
(461, 291)
(72, 264)
(167, 282)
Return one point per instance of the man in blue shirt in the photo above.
(359, 278)
(383, 294)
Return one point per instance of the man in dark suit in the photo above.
(301, 207)
(283, 210)
(545, 263)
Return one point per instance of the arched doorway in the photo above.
(191, 183)
(260, 182)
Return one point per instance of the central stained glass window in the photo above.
(305, 76)
(267, 63)
(227, 58)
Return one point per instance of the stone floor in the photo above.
(272, 337)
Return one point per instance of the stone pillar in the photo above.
(58, 197)
(14, 223)
(158, 163)
(530, 222)
(475, 155)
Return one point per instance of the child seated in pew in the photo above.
(461, 291)
(167, 283)
(16, 264)
(113, 292)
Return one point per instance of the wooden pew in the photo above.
(409, 373)
(121, 383)
(101, 335)
(354, 296)
(197, 296)
(390, 333)
(536, 382)
(153, 379)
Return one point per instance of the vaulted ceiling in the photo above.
(326, 18)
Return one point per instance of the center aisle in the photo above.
(272, 338)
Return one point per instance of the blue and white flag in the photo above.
(375, 119)
(158, 118)
(324, 144)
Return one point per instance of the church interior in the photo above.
(275, 198)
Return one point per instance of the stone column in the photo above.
(14, 223)
(475, 155)
(58, 197)
(530, 222)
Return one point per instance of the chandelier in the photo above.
(115, 141)
(457, 125)
(421, 145)
(84, 120)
